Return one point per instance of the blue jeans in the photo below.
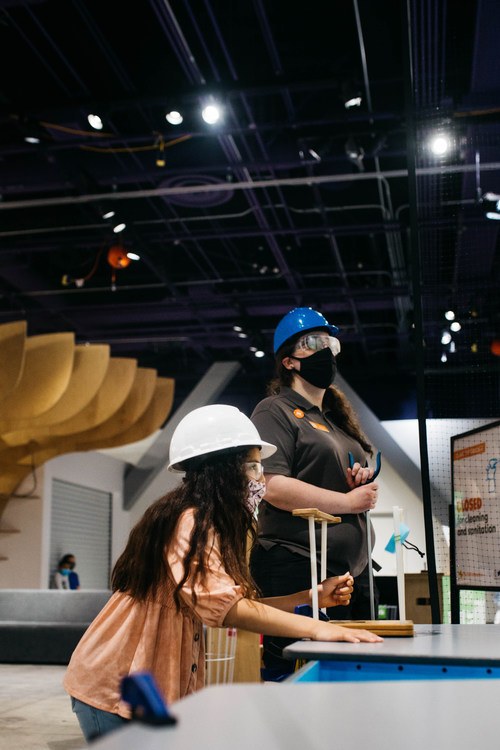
(94, 722)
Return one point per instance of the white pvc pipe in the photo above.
(397, 515)
(324, 527)
(314, 569)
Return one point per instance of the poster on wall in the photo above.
(476, 498)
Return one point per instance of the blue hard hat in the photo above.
(300, 320)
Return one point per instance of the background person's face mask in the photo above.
(319, 369)
(256, 491)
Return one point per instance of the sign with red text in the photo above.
(476, 499)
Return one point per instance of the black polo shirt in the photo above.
(310, 447)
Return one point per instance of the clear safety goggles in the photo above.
(254, 469)
(314, 342)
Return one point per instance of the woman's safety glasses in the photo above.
(314, 342)
(254, 469)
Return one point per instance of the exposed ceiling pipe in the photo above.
(246, 185)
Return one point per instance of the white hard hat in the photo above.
(213, 428)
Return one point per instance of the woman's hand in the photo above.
(358, 475)
(363, 498)
(335, 591)
(327, 631)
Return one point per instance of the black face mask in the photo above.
(319, 369)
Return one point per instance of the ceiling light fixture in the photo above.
(314, 155)
(174, 117)
(237, 328)
(108, 215)
(455, 326)
(354, 101)
(211, 114)
(119, 228)
(259, 353)
(493, 215)
(95, 122)
(440, 145)
(444, 358)
(445, 337)
(31, 139)
(449, 315)
(133, 256)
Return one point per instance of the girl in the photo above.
(185, 565)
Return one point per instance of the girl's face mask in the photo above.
(256, 491)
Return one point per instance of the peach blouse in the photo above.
(129, 636)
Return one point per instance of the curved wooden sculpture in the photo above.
(12, 341)
(60, 398)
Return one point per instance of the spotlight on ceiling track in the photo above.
(449, 315)
(353, 101)
(108, 215)
(355, 153)
(445, 338)
(95, 122)
(440, 145)
(31, 139)
(119, 228)
(174, 117)
(494, 215)
(455, 326)
(259, 353)
(211, 114)
(133, 256)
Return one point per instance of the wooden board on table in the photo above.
(387, 628)
(318, 515)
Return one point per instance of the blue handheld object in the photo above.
(141, 692)
(377, 469)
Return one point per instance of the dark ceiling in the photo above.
(291, 199)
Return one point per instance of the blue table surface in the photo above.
(431, 644)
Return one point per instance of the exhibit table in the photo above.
(435, 651)
(287, 716)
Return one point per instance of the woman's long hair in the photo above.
(334, 400)
(216, 488)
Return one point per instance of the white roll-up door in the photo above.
(81, 526)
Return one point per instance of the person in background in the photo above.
(65, 577)
(185, 565)
(314, 428)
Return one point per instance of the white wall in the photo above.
(28, 551)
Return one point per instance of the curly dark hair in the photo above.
(333, 400)
(216, 489)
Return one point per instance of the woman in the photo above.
(314, 429)
(184, 566)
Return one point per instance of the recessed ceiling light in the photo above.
(455, 326)
(108, 215)
(95, 122)
(259, 353)
(119, 228)
(449, 315)
(32, 139)
(133, 256)
(237, 328)
(493, 215)
(174, 117)
(445, 337)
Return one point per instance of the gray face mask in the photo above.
(256, 491)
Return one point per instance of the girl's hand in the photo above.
(335, 591)
(358, 475)
(326, 631)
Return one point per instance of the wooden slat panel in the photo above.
(47, 371)
(12, 343)
(90, 366)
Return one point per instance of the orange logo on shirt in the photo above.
(319, 426)
(299, 414)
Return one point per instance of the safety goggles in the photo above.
(253, 469)
(314, 342)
